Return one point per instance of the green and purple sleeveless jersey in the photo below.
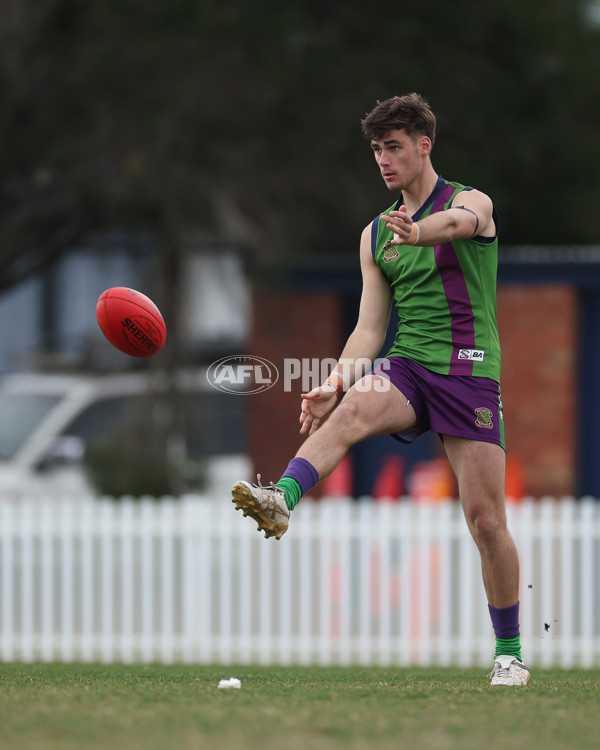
(445, 295)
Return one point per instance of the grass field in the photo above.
(83, 706)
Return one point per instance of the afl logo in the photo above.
(242, 374)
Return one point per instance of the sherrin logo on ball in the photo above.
(131, 321)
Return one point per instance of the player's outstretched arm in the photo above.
(470, 215)
(363, 345)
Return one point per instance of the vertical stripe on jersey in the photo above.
(462, 319)
(374, 230)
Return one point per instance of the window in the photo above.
(20, 414)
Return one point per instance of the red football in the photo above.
(131, 321)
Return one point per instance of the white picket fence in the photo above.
(190, 580)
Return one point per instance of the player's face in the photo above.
(400, 158)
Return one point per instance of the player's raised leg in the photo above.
(371, 407)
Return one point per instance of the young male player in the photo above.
(433, 254)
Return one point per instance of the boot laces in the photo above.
(269, 486)
(499, 671)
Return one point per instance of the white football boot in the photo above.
(266, 505)
(508, 670)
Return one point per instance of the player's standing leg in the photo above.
(480, 469)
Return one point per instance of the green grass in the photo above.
(82, 706)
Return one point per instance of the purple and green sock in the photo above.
(298, 479)
(506, 629)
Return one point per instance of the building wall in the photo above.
(287, 325)
(538, 333)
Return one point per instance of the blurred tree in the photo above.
(41, 211)
(243, 119)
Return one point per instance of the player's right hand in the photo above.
(315, 408)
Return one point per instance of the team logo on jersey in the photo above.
(390, 252)
(484, 418)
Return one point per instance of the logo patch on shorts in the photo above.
(484, 418)
(390, 252)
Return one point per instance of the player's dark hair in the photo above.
(410, 113)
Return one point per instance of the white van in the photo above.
(49, 424)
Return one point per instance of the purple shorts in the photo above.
(459, 405)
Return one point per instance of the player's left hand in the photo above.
(400, 224)
(315, 408)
